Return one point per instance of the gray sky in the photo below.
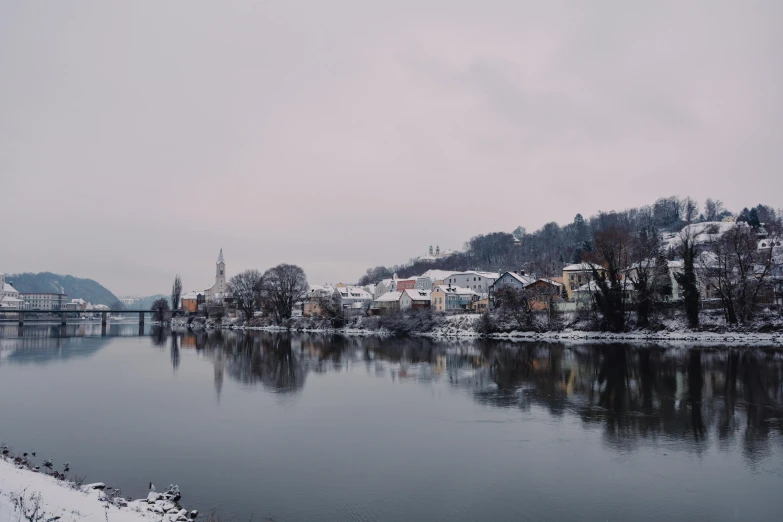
(137, 138)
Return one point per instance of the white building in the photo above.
(352, 297)
(43, 301)
(516, 280)
(415, 299)
(219, 290)
(436, 254)
(448, 298)
(9, 296)
(388, 301)
(479, 282)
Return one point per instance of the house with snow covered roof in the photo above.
(479, 282)
(516, 280)
(450, 298)
(388, 301)
(415, 298)
(9, 296)
(578, 274)
(191, 301)
(352, 297)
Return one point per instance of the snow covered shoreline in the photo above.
(464, 326)
(700, 338)
(64, 501)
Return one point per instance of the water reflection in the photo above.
(634, 394)
(42, 344)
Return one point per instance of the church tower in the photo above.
(220, 273)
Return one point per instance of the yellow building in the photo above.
(577, 275)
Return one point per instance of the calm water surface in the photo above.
(305, 427)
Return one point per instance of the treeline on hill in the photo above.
(546, 251)
(76, 287)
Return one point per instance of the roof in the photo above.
(418, 295)
(582, 267)
(191, 295)
(548, 281)
(314, 289)
(437, 275)
(220, 257)
(354, 292)
(488, 275)
(525, 280)
(455, 290)
(389, 297)
(9, 289)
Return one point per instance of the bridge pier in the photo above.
(21, 318)
(62, 319)
(103, 319)
(141, 318)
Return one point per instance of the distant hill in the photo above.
(76, 287)
(145, 303)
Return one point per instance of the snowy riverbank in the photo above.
(53, 499)
(468, 326)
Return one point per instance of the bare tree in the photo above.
(160, 308)
(691, 209)
(612, 251)
(713, 209)
(176, 292)
(246, 287)
(517, 304)
(738, 271)
(687, 279)
(648, 273)
(281, 288)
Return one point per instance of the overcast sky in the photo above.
(138, 138)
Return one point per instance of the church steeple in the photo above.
(220, 273)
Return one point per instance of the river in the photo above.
(309, 427)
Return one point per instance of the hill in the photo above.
(145, 303)
(75, 287)
(545, 251)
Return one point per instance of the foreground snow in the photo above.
(56, 498)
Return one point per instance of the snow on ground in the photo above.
(71, 504)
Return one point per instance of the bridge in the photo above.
(75, 314)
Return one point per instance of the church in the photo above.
(218, 291)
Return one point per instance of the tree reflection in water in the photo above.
(633, 393)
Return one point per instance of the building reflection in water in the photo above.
(633, 394)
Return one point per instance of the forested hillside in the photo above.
(545, 251)
(75, 287)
